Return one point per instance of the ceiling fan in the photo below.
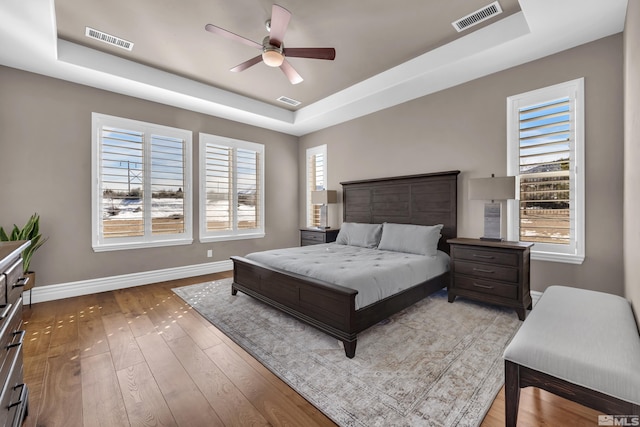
(273, 51)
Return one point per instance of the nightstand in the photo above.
(492, 272)
(315, 236)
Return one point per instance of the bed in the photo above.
(425, 199)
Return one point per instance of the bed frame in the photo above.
(417, 199)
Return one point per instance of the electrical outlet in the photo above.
(209, 253)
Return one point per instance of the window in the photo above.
(142, 191)
(316, 180)
(546, 153)
(231, 189)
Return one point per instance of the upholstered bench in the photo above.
(578, 344)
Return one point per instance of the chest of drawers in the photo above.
(492, 272)
(14, 394)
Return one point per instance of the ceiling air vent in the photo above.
(108, 38)
(289, 101)
(477, 16)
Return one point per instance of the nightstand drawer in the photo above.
(487, 271)
(313, 236)
(487, 287)
(489, 256)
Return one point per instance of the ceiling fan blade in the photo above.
(246, 64)
(291, 74)
(279, 22)
(311, 52)
(228, 34)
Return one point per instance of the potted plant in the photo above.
(31, 232)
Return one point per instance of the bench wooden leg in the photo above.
(511, 393)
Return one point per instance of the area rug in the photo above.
(433, 364)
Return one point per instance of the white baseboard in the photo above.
(103, 284)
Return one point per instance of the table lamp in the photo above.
(324, 197)
(501, 188)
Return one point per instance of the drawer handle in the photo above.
(483, 256)
(21, 283)
(482, 286)
(20, 341)
(5, 312)
(22, 398)
(482, 270)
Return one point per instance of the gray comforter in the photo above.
(374, 273)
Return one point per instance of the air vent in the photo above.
(108, 38)
(477, 16)
(289, 101)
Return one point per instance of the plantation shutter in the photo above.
(545, 152)
(219, 187)
(248, 188)
(546, 203)
(232, 193)
(316, 180)
(167, 184)
(121, 182)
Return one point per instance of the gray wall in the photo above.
(465, 128)
(45, 147)
(632, 154)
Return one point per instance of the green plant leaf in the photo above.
(31, 232)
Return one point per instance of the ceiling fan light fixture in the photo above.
(272, 57)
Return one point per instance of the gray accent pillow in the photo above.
(414, 239)
(359, 234)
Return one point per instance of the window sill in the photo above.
(140, 245)
(227, 237)
(557, 257)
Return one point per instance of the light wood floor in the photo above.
(141, 357)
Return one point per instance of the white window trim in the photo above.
(235, 234)
(574, 254)
(313, 151)
(147, 241)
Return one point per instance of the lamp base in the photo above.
(492, 222)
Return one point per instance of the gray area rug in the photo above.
(433, 364)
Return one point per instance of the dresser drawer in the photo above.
(11, 337)
(487, 287)
(487, 271)
(14, 395)
(486, 255)
(14, 283)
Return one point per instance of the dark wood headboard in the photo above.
(425, 199)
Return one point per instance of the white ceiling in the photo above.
(386, 52)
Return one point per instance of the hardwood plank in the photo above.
(92, 338)
(102, 403)
(143, 399)
(540, 408)
(272, 404)
(160, 315)
(122, 343)
(229, 403)
(61, 403)
(64, 330)
(187, 404)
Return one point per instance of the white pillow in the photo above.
(358, 234)
(414, 239)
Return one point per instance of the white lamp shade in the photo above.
(324, 197)
(496, 188)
